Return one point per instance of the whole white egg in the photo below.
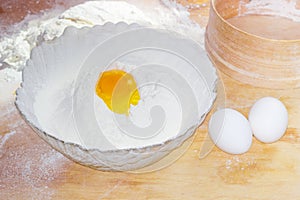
(268, 118)
(230, 131)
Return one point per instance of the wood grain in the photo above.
(266, 172)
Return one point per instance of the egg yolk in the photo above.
(118, 90)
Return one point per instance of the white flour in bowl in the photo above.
(15, 49)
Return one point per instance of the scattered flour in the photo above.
(3, 140)
(9, 81)
(282, 8)
(28, 170)
(15, 49)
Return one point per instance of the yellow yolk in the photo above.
(118, 90)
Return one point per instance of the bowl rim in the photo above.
(213, 7)
(142, 148)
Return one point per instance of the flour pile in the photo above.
(15, 49)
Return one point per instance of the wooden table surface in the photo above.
(30, 169)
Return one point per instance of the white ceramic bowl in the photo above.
(59, 64)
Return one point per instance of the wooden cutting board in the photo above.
(30, 169)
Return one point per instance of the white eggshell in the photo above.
(268, 118)
(230, 131)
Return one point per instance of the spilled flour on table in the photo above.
(3, 140)
(238, 170)
(28, 165)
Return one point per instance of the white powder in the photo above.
(3, 140)
(31, 163)
(15, 49)
(151, 95)
(97, 127)
(9, 81)
(282, 8)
